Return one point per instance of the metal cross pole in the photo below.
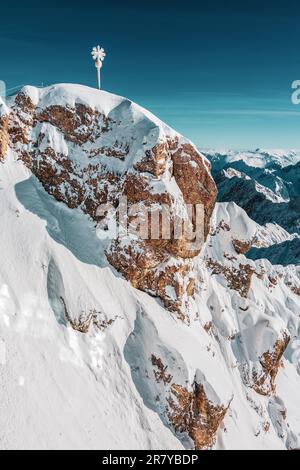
(98, 55)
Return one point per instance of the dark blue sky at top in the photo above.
(220, 72)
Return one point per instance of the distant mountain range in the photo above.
(266, 184)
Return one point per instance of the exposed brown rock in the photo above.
(208, 327)
(116, 151)
(270, 362)
(3, 136)
(193, 413)
(260, 274)
(295, 289)
(137, 188)
(174, 278)
(21, 121)
(194, 180)
(242, 246)
(160, 371)
(230, 257)
(155, 160)
(266, 426)
(222, 225)
(79, 124)
(139, 263)
(238, 279)
(24, 104)
(134, 261)
(190, 290)
(273, 280)
(190, 411)
(85, 320)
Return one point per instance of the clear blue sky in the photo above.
(220, 72)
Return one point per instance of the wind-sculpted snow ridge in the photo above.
(209, 360)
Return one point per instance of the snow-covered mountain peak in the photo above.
(90, 148)
(129, 129)
(69, 95)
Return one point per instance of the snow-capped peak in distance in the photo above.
(260, 158)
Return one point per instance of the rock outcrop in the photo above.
(193, 413)
(263, 380)
(189, 410)
(96, 152)
(242, 246)
(4, 120)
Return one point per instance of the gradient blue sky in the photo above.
(219, 72)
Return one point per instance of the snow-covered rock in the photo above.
(89, 148)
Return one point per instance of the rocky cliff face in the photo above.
(207, 358)
(86, 155)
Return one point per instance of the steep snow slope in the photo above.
(60, 388)
(87, 360)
